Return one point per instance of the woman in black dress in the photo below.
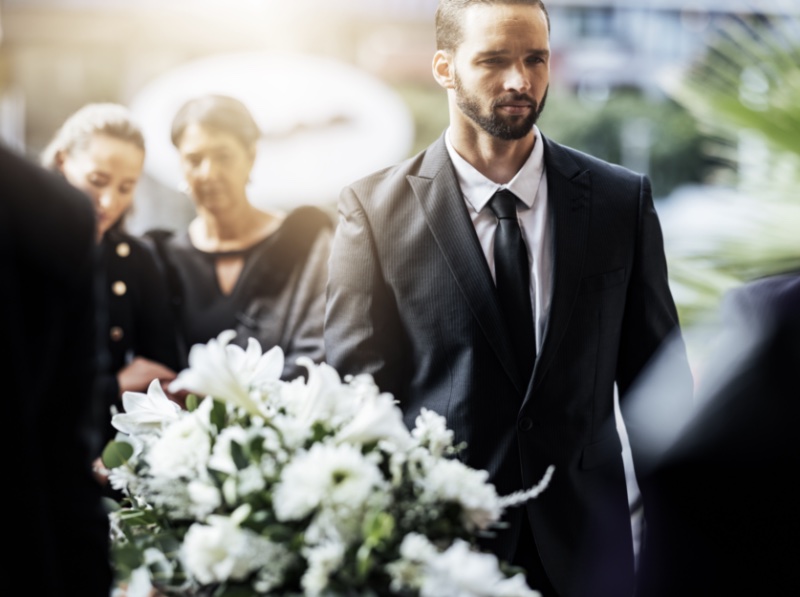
(100, 150)
(260, 273)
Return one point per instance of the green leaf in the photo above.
(117, 453)
(191, 402)
(127, 558)
(238, 455)
(138, 517)
(218, 415)
(225, 590)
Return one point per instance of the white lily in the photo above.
(146, 413)
(322, 398)
(229, 373)
(378, 419)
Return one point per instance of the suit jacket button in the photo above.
(525, 424)
(119, 288)
(123, 249)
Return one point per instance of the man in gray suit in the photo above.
(420, 296)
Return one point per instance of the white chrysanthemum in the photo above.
(146, 413)
(453, 481)
(123, 478)
(221, 458)
(463, 572)
(430, 430)
(229, 373)
(205, 497)
(322, 561)
(221, 550)
(185, 446)
(277, 560)
(294, 432)
(160, 566)
(333, 476)
(407, 572)
(165, 494)
(138, 584)
(250, 480)
(416, 547)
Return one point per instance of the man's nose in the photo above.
(518, 78)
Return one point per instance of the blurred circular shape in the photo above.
(324, 123)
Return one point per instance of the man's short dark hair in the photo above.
(448, 22)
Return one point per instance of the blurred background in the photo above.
(702, 95)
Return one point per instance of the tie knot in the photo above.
(504, 205)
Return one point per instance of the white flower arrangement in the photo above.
(310, 487)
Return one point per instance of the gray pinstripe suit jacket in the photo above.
(411, 300)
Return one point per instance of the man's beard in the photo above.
(508, 128)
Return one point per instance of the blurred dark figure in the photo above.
(726, 517)
(58, 545)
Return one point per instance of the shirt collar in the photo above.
(478, 189)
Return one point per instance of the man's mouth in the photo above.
(515, 107)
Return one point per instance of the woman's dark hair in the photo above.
(219, 112)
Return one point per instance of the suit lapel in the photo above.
(568, 189)
(439, 195)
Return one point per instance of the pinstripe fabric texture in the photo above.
(411, 300)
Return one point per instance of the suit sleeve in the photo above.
(305, 321)
(650, 314)
(653, 375)
(363, 333)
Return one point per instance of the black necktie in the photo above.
(512, 277)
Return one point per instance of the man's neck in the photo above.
(498, 160)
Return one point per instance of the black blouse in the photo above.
(278, 299)
(139, 319)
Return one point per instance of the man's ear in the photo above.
(443, 69)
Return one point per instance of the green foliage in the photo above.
(428, 104)
(675, 153)
(744, 92)
(599, 128)
(116, 453)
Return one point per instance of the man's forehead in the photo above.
(488, 27)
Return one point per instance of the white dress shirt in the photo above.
(530, 185)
